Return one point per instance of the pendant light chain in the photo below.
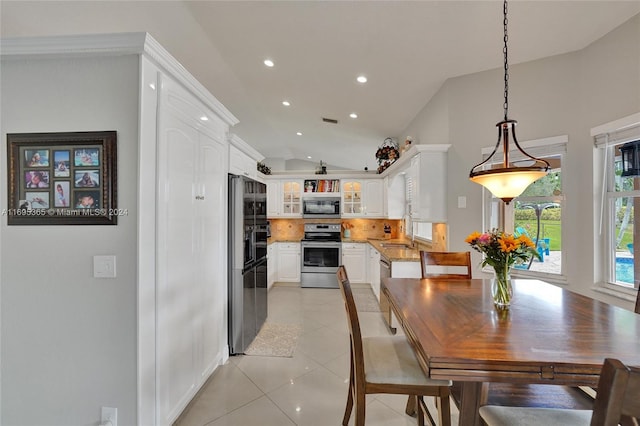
(506, 63)
(509, 180)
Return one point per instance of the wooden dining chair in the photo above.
(439, 264)
(386, 364)
(617, 402)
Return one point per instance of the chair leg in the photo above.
(349, 407)
(420, 412)
(360, 400)
(410, 409)
(443, 404)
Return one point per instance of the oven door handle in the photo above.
(323, 244)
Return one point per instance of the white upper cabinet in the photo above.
(363, 198)
(243, 158)
(425, 173)
(429, 203)
(352, 198)
(274, 198)
(284, 198)
(395, 196)
(374, 202)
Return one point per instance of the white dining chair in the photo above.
(617, 402)
(386, 364)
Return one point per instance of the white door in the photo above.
(177, 263)
(355, 261)
(191, 242)
(274, 200)
(374, 197)
(288, 262)
(211, 236)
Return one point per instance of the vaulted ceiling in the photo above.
(407, 50)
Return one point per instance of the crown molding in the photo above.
(236, 141)
(116, 44)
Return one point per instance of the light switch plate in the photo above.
(104, 266)
(109, 416)
(462, 202)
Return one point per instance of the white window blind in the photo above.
(620, 131)
(536, 148)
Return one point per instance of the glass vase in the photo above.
(501, 288)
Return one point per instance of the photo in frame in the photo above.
(62, 178)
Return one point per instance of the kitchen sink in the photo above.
(397, 245)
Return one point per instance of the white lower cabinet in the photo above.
(374, 271)
(398, 270)
(288, 262)
(272, 270)
(354, 259)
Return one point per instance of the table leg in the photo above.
(472, 396)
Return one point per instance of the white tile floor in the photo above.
(306, 390)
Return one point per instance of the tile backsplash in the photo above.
(361, 229)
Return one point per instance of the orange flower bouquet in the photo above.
(501, 251)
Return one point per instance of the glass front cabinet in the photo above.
(284, 198)
(352, 198)
(363, 198)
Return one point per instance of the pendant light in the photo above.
(508, 181)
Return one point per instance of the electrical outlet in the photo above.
(109, 416)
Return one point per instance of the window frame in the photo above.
(607, 136)
(555, 146)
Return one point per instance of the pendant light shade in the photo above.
(507, 184)
(508, 181)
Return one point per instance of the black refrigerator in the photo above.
(247, 269)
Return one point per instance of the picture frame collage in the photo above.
(62, 178)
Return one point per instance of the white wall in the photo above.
(567, 94)
(69, 340)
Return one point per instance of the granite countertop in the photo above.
(396, 254)
(388, 249)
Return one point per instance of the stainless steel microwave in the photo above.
(321, 207)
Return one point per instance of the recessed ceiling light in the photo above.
(204, 118)
(353, 115)
(286, 103)
(299, 133)
(361, 79)
(269, 63)
(309, 157)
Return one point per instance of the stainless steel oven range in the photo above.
(321, 255)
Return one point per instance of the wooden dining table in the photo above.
(549, 335)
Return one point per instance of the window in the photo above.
(420, 230)
(536, 213)
(424, 230)
(620, 202)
